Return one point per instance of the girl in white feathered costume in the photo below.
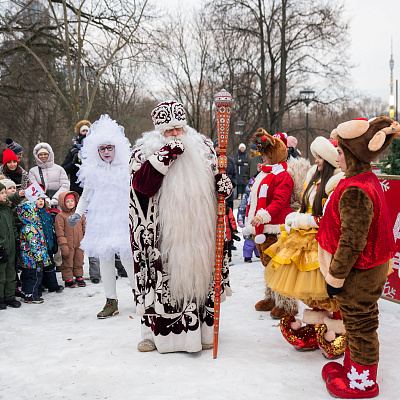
(104, 175)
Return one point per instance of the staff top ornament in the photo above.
(223, 99)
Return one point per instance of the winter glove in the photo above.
(236, 237)
(39, 265)
(3, 255)
(291, 220)
(223, 185)
(74, 219)
(53, 202)
(306, 221)
(167, 154)
(64, 250)
(332, 291)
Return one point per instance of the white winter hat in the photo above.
(83, 128)
(42, 150)
(325, 149)
(8, 183)
(242, 145)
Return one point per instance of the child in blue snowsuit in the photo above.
(49, 280)
(248, 246)
(34, 254)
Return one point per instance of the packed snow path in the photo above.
(60, 350)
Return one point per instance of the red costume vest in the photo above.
(380, 245)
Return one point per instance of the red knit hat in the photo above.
(9, 155)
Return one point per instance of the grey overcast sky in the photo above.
(372, 25)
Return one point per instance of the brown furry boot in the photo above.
(265, 305)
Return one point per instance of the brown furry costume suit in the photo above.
(351, 274)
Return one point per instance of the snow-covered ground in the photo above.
(60, 350)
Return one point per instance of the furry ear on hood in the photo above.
(272, 147)
(366, 139)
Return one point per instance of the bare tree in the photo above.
(285, 45)
(92, 35)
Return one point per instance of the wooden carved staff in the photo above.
(223, 102)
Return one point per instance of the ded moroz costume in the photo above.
(355, 245)
(173, 214)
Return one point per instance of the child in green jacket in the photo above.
(8, 236)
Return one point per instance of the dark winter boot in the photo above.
(358, 382)
(18, 293)
(80, 281)
(3, 305)
(70, 283)
(56, 289)
(12, 302)
(110, 309)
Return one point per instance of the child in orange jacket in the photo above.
(69, 240)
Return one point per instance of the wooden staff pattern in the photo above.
(223, 102)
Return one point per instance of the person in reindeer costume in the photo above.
(294, 270)
(268, 205)
(104, 175)
(173, 219)
(355, 246)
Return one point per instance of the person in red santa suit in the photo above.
(355, 245)
(268, 205)
(173, 219)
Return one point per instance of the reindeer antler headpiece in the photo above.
(366, 139)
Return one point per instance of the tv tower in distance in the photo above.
(391, 97)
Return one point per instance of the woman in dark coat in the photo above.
(242, 161)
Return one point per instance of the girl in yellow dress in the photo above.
(294, 269)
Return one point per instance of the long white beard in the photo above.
(188, 217)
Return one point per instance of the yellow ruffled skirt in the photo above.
(294, 269)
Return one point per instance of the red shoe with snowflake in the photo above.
(358, 382)
(334, 367)
(302, 339)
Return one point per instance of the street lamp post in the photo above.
(307, 96)
(240, 125)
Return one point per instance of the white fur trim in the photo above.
(260, 239)
(159, 166)
(333, 181)
(335, 325)
(253, 201)
(272, 229)
(314, 317)
(266, 217)
(325, 149)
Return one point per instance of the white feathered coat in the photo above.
(55, 177)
